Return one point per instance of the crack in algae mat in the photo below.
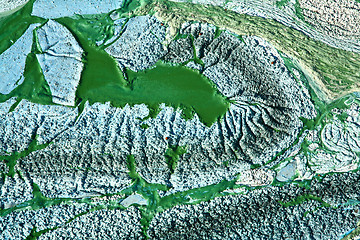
(176, 86)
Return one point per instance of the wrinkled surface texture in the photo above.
(73, 167)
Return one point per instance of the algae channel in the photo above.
(176, 86)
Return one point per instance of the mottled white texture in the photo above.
(9, 5)
(61, 61)
(18, 127)
(12, 62)
(5, 106)
(63, 8)
(63, 75)
(140, 46)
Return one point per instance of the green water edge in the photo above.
(150, 191)
(174, 85)
(103, 81)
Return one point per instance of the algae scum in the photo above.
(103, 80)
(176, 86)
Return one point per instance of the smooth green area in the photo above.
(90, 29)
(34, 87)
(172, 155)
(176, 86)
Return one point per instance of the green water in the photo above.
(176, 86)
(34, 87)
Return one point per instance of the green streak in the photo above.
(255, 166)
(34, 234)
(147, 190)
(37, 202)
(172, 155)
(304, 198)
(144, 126)
(299, 11)
(11, 160)
(15, 25)
(195, 196)
(176, 86)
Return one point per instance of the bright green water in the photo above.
(176, 86)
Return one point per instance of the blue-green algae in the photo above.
(304, 198)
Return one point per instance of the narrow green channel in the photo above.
(176, 86)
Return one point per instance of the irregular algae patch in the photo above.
(174, 85)
(177, 86)
(172, 155)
